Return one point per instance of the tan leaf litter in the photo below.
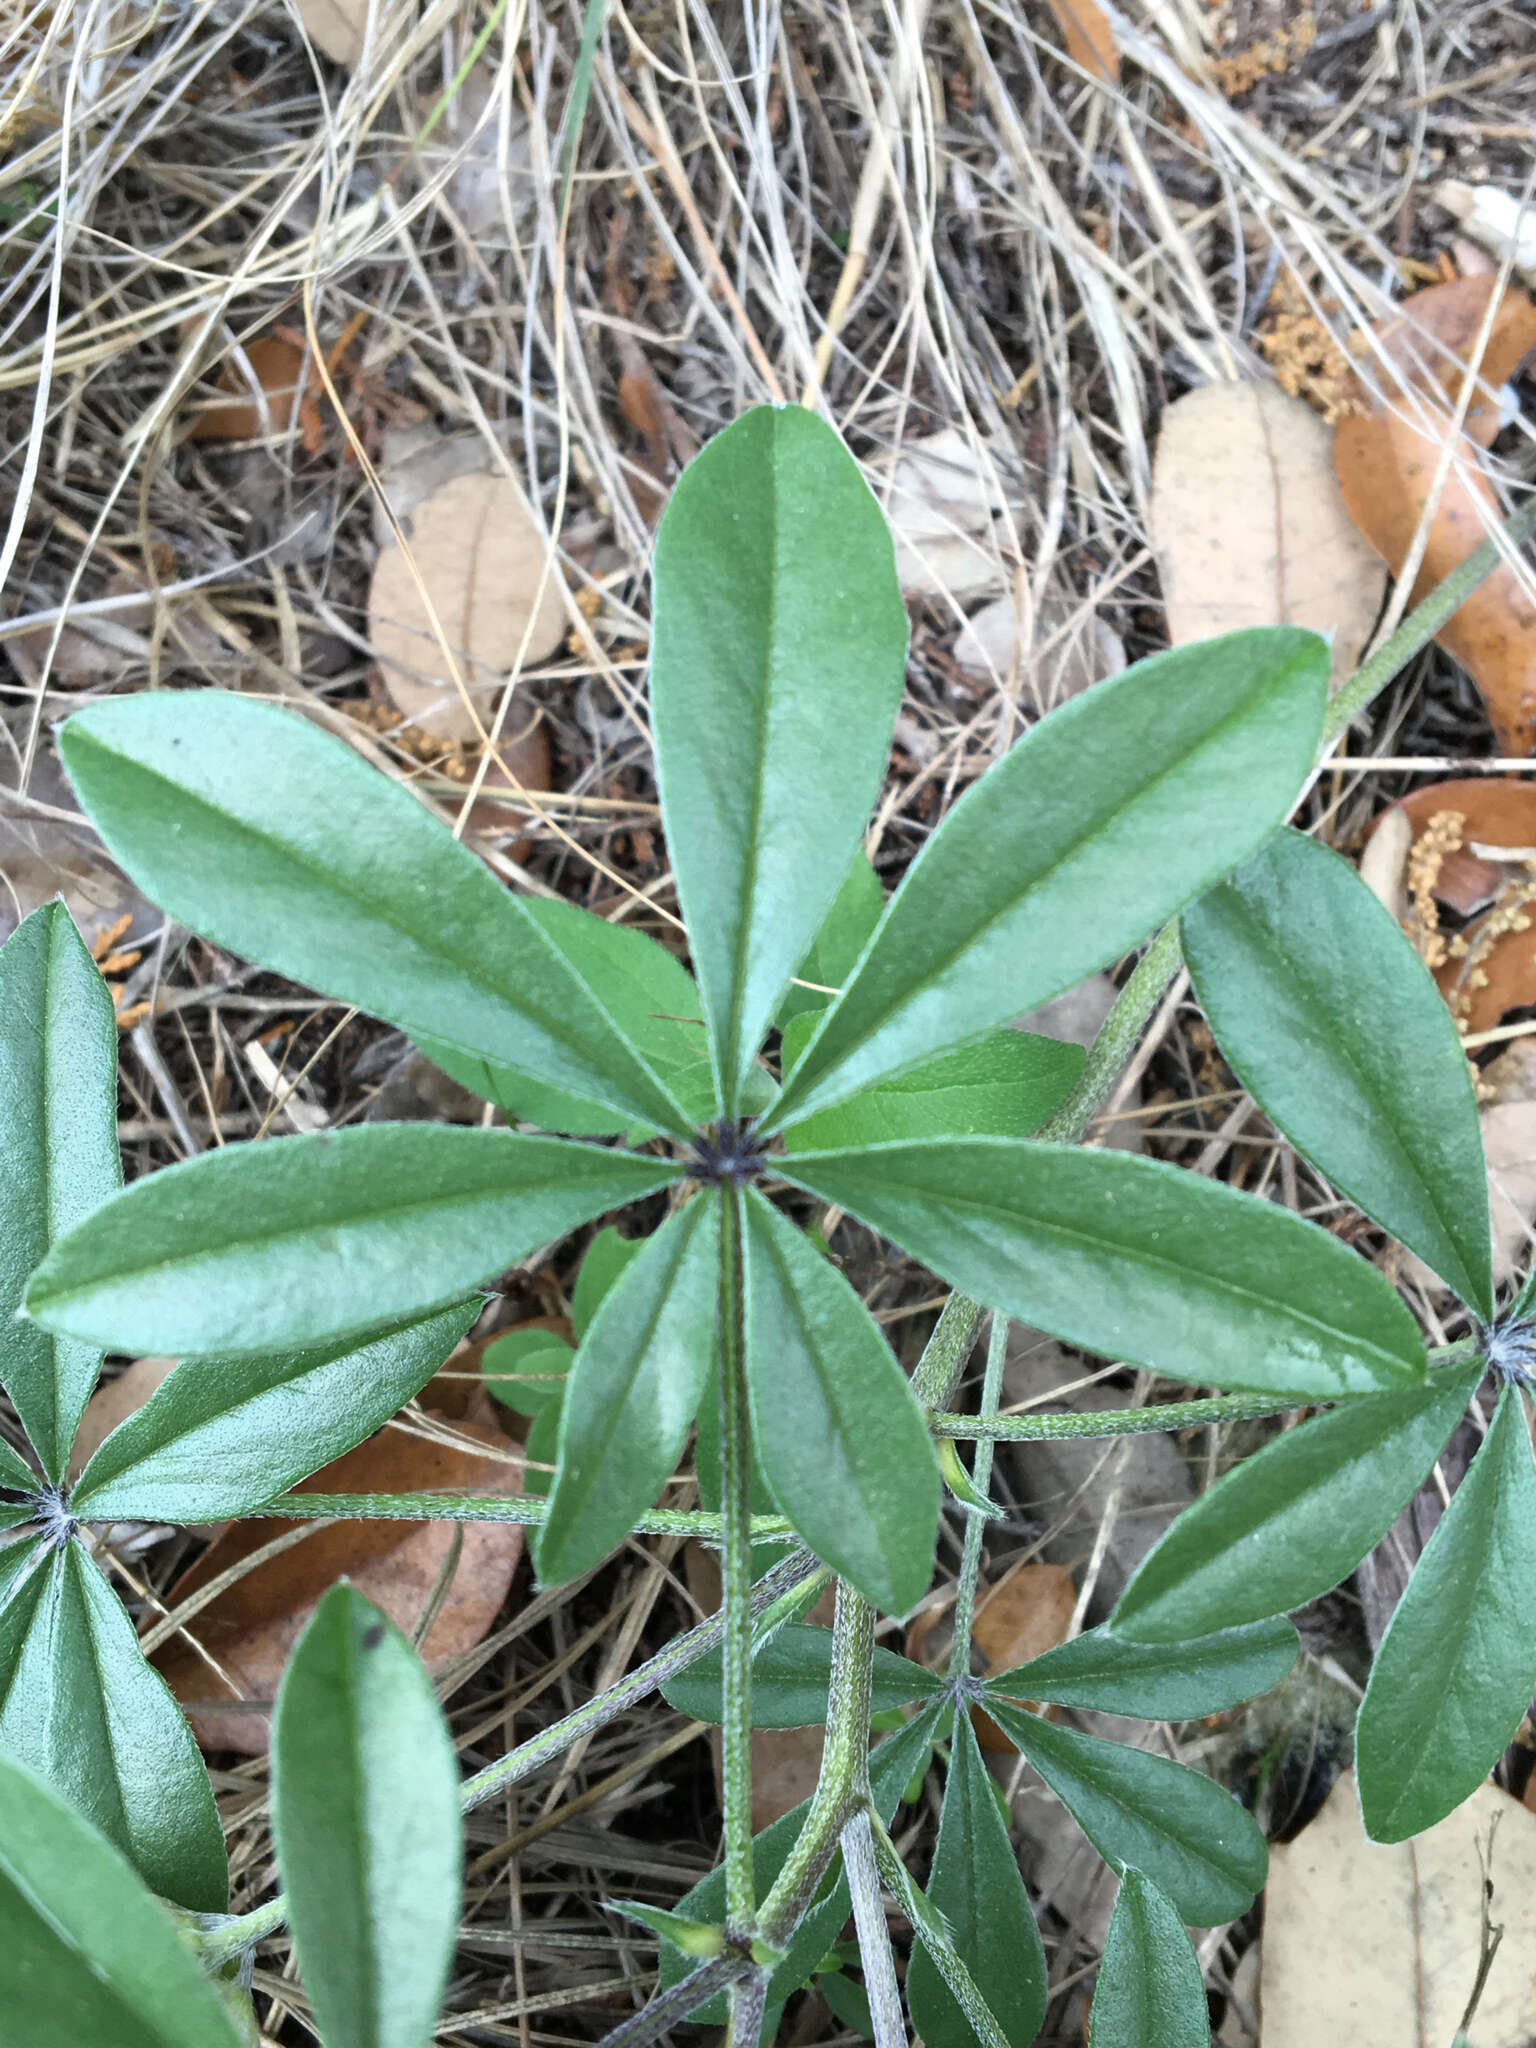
(114, 1403)
(476, 553)
(950, 517)
(1068, 648)
(1377, 1947)
(1249, 524)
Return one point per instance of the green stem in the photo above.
(944, 1355)
(1424, 622)
(1117, 1039)
(1031, 1429)
(843, 1783)
(476, 1507)
(736, 1579)
(981, 1479)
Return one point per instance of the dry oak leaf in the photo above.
(1388, 459)
(477, 556)
(338, 28)
(113, 1402)
(249, 1629)
(1378, 1946)
(1249, 526)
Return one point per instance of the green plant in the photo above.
(312, 1284)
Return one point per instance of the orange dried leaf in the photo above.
(1388, 461)
(1087, 37)
(278, 367)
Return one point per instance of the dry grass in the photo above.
(915, 214)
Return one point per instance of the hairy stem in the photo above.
(483, 1507)
(660, 2014)
(981, 1479)
(736, 1580)
(843, 1783)
(944, 1355)
(930, 1931)
(874, 1936)
(985, 1429)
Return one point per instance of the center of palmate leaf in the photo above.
(727, 1151)
(1510, 1349)
(58, 1524)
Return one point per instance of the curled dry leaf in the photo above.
(1485, 969)
(1488, 966)
(1087, 37)
(477, 560)
(249, 1629)
(338, 28)
(1388, 457)
(1499, 220)
(1249, 526)
(1378, 1946)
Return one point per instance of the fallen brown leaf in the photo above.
(1378, 1946)
(1087, 37)
(251, 1626)
(1249, 526)
(1388, 459)
(277, 364)
(476, 553)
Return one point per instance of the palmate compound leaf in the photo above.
(298, 1240)
(275, 840)
(1072, 847)
(58, 1157)
(1132, 1258)
(839, 1434)
(834, 952)
(1150, 1992)
(1200, 1848)
(88, 1958)
(1457, 1666)
(892, 1764)
(975, 1885)
(221, 1436)
(365, 1811)
(777, 650)
(632, 1391)
(79, 1705)
(1330, 1020)
(1291, 1522)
